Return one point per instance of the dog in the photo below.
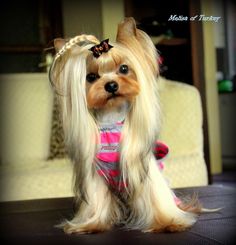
(108, 95)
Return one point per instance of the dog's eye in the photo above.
(124, 69)
(91, 77)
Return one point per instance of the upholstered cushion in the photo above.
(181, 130)
(26, 112)
(35, 179)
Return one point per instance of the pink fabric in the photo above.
(177, 200)
(108, 137)
(109, 156)
(161, 165)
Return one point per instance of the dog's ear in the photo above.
(138, 41)
(59, 43)
(126, 29)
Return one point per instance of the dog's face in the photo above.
(110, 80)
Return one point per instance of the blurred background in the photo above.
(199, 52)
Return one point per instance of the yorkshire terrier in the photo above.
(111, 117)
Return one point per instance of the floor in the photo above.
(227, 177)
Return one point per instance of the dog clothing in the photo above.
(108, 155)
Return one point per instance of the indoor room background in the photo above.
(199, 53)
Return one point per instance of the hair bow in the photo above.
(103, 47)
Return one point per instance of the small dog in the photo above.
(110, 112)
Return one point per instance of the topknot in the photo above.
(77, 40)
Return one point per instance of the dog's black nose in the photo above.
(111, 87)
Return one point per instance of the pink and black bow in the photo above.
(103, 47)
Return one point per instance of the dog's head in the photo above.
(110, 74)
(110, 79)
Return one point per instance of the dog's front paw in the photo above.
(71, 228)
(177, 227)
(168, 228)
